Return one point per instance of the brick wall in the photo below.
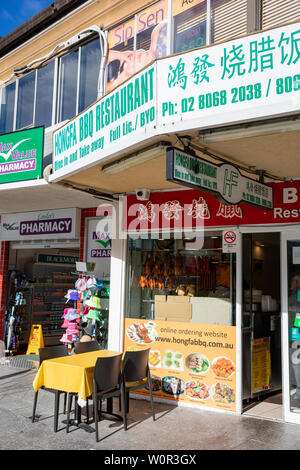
(3, 283)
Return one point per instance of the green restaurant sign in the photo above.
(21, 155)
(225, 180)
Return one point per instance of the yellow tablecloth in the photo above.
(70, 373)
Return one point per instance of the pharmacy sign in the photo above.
(225, 180)
(21, 155)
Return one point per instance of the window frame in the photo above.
(56, 96)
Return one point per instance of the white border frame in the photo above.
(287, 235)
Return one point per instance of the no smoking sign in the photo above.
(230, 241)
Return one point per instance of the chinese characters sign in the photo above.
(226, 180)
(191, 208)
(248, 78)
(21, 155)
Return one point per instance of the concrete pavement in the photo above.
(176, 428)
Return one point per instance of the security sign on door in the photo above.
(230, 241)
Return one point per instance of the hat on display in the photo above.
(91, 284)
(94, 302)
(65, 324)
(65, 312)
(72, 295)
(89, 330)
(71, 330)
(80, 284)
(93, 315)
(66, 339)
(73, 326)
(72, 314)
(85, 310)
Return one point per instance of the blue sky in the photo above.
(15, 12)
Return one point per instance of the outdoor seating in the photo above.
(51, 352)
(107, 384)
(136, 375)
(80, 348)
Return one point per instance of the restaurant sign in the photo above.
(224, 180)
(197, 209)
(49, 225)
(21, 155)
(246, 79)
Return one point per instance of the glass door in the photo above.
(291, 325)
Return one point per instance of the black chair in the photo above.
(86, 346)
(51, 352)
(136, 375)
(80, 348)
(107, 384)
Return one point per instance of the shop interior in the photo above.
(37, 282)
(261, 326)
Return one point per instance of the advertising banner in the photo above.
(136, 43)
(21, 155)
(47, 225)
(188, 362)
(250, 78)
(192, 209)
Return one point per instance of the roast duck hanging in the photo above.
(162, 273)
(158, 273)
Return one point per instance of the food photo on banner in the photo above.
(188, 362)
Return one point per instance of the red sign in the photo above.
(193, 208)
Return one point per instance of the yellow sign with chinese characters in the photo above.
(261, 364)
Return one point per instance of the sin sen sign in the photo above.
(230, 241)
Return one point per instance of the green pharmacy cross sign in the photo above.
(224, 180)
(21, 155)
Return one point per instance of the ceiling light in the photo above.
(135, 159)
(249, 131)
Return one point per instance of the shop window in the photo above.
(7, 108)
(25, 105)
(171, 268)
(276, 13)
(189, 25)
(228, 19)
(136, 43)
(89, 74)
(68, 86)
(44, 95)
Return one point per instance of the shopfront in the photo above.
(216, 303)
(41, 266)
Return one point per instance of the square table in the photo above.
(72, 374)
